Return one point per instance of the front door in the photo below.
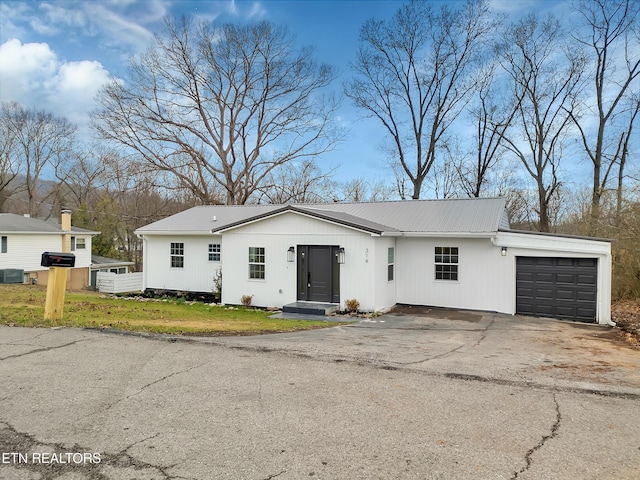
(318, 274)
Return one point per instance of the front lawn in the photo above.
(23, 305)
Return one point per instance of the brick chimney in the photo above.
(65, 223)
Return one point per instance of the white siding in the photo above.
(83, 255)
(25, 251)
(276, 235)
(484, 279)
(197, 274)
(385, 290)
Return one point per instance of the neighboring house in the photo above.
(111, 265)
(23, 240)
(448, 253)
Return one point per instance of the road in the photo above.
(450, 395)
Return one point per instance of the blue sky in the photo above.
(55, 55)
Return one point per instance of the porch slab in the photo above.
(311, 308)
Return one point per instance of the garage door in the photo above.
(555, 287)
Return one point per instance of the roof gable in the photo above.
(340, 218)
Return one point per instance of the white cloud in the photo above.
(32, 75)
(24, 68)
(117, 28)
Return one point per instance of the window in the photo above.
(391, 260)
(256, 263)
(3, 245)
(446, 263)
(177, 255)
(80, 243)
(73, 244)
(214, 252)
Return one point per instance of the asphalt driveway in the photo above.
(462, 395)
(489, 346)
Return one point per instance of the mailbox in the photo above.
(55, 259)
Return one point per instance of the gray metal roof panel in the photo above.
(201, 219)
(469, 215)
(99, 260)
(348, 219)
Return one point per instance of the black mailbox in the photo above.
(56, 259)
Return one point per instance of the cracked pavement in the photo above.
(445, 395)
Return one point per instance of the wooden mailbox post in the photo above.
(58, 264)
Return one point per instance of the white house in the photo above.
(449, 253)
(23, 240)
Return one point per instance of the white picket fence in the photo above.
(108, 282)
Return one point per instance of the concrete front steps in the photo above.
(312, 308)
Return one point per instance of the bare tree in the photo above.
(544, 83)
(362, 190)
(221, 105)
(612, 37)
(303, 183)
(9, 167)
(415, 74)
(622, 154)
(492, 114)
(38, 139)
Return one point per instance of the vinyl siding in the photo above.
(197, 273)
(276, 235)
(24, 251)
(483, 275)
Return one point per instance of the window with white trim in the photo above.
(256, 263)
(214, 252)
(3, 244)
(391, 263)
(446, 262)
(81, 243)
(73, 244)
(177, 255)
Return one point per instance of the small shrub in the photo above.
(217, 284)
(352, 305)
(246, 300)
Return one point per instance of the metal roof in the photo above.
(466, 215)
(473, 215)
(205, 218)
(98, 261)
(12, 223)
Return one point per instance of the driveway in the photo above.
(489, 346)
(453, 394)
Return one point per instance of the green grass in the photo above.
(23, 305)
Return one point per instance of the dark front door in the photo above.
(318, 273)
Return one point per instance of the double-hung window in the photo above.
(214, 252)
(391, 262)
(256, 263)
(177, 255)
(446, 261)
(81, 243)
